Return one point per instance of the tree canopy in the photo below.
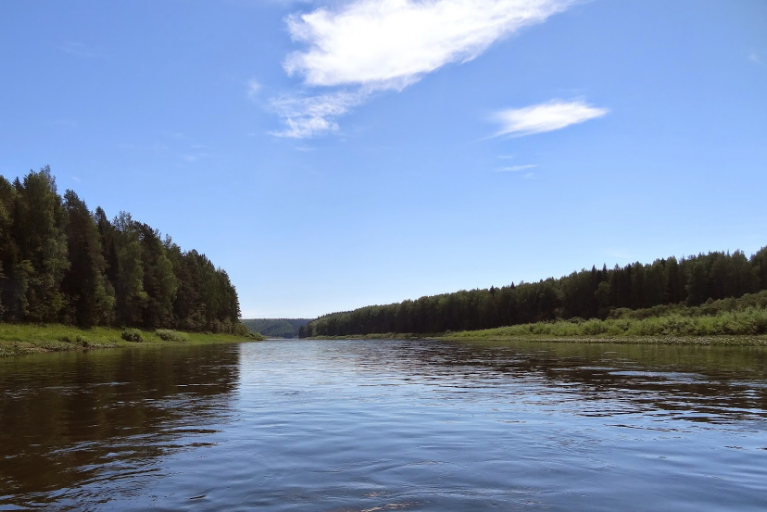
(586, 294)
(59, 262)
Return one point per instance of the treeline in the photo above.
(60, 262)
(586, 294)
(275, 327)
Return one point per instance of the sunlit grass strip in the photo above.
(748, 322)
(16, 339)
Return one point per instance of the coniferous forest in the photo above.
(588, 294)
(62, 263)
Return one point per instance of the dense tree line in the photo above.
(60, 262)
(586, 294)
(275, 327)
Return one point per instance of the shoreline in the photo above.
(715, 340)
(21, 339)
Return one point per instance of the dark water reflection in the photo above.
(70, 423)
(387, 425)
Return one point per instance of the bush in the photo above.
(171, 335)
(132, 335)
(78, 340)
(241, 330)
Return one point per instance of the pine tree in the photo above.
(90, 296)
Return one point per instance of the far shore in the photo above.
(20, 339)
(719, 340)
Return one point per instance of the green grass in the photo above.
(747, 326)
(18, 339)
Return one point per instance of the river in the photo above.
(373, 426)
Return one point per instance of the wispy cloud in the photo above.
(545, 117)
(754, 57)
(194, 157)
(516, 168)
(365, 46)
(253, 88)
(309, 116)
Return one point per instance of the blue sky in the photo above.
(332, 154)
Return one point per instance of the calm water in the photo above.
(386, 425)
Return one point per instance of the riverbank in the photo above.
(16, 339)
(721, 340)
(734, 327)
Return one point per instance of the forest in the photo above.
(588, 294)
(275, 327)
(62, 263)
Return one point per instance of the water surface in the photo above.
(386, 425)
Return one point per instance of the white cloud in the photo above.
(545, 117)
(372, 45)
(516, 168)
(392, 43)
(754, 57)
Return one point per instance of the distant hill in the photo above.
(276, 327)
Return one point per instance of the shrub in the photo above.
(132, 335)
(171, 335)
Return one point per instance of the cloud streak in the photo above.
(366, 46)
(544, 117)
(306, 117)
(516, 168)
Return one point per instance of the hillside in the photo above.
(276, 327)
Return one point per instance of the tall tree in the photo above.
(39, 232)
(129, 280)
(90, 295)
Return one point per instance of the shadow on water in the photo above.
(77, 419)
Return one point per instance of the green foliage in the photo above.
(588, 294)
(76, 339)
(276, 327)
(132, 335)
(38, 227)
(60, 263)
(171, 335)
(91, 298)
(748, 322)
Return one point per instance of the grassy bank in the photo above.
(18, 339)
(749, 322)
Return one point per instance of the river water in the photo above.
(386, 425)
